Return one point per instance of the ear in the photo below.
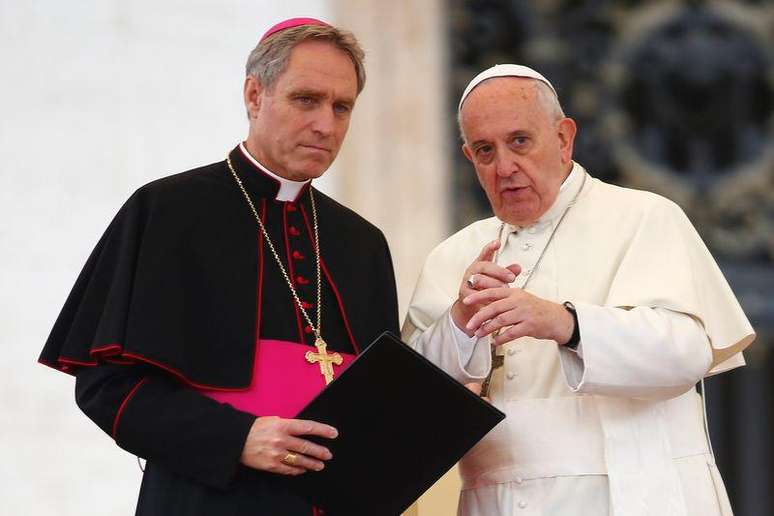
(253, 93)
(467, 152)
(567, 130)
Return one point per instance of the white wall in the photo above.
(97, 97)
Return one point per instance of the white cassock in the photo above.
(616, 428)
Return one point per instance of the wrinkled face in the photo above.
(297, 127)
(521, 154)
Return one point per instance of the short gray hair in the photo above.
(545, 96)
(270, 58)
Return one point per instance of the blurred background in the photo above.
(101, 96)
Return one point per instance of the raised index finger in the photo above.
(488, 251)
(305, 427)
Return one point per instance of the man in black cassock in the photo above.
(189, 328)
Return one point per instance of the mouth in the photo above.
(514, 189)
(315, 148)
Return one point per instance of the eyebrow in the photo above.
(517, 132)
(317, 94)
(478, 143)
(306, 92)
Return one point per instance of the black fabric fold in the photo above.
(173, 281)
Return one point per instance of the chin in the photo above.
(310, 171)
(317, 172)
(518, 217)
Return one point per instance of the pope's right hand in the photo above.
(483, 274)
(275, 444)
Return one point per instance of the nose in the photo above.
(505, 163)
(324, 121)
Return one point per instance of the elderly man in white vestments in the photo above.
(604, 309)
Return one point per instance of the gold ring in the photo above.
(289, 459)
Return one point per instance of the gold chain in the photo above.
(317, 329)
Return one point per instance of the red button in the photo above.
(297, 255)
(307, 305)
(291, 207)
(294, 231)
(308, 329)
(302, 280)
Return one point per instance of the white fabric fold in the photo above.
(655, 315)
(643, 353)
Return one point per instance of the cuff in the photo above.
(473, 354)
(571, 360)
(465, 345)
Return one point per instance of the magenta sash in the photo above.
(283, 381)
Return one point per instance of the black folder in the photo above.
(402, 423)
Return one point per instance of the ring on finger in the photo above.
(289, 459)
(472, 280)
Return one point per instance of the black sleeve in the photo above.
(158, 418)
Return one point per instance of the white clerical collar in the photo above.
(567, 191)
(288, 190)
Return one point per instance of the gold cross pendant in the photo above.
(325, 360)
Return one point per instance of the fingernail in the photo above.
(320, 467)
(334, 432)
(511, 277)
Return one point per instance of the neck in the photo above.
(255, 152)
(288, 189)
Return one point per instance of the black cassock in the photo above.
(173, 299)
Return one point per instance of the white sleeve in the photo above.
(645, 353)
(466, 359)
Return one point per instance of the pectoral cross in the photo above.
(497, 362)
(325, 360)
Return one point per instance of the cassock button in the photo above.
(307, 305)
(518, 480)
(291, 206)
(522, 504)
(302, 280)
(308, 329)
(511, 351)
(532, 230)
(297, 256)
(293, 230)
(511, 375)
(527, 246)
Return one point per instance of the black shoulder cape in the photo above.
(173, 281)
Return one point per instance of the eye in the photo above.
(484, 153)
(484, 150)
(305, 100)
(520, 141)
(341, 109)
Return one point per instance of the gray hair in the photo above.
(270, 58)
(545, 96)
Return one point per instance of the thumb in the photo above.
(474, 387)
(515, 269)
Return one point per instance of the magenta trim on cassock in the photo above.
(283, 381)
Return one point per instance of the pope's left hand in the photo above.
(526, 315)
